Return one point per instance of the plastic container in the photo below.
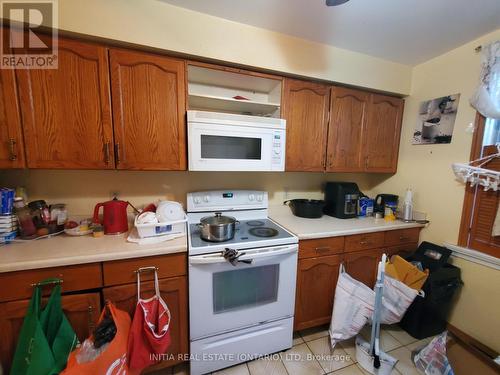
(25, 220)
(160, 229)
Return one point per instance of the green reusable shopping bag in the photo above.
(46, 338)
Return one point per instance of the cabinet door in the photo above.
(174, 293)
(11, 139)
(148, 110)
(306, 106)
(362, 265)
(348, 110)
(383, 129)
(66, 111)
(316, 281)
(82, 311)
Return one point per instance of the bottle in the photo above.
(408, 206)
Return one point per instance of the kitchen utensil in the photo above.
(217, 228)
(147, 217)
(308, 208)
(114, 216)
(382, 199)
(341, 199)
(169, 211)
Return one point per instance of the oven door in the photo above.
(218, 147)
(224, 297)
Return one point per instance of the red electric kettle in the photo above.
(114, 216)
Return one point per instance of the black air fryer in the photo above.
(341, 199)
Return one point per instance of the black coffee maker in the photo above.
(341, 199)
(382, 199)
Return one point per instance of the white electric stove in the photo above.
(240, 310)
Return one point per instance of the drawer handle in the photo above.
(402, 238)
(146, 269)
(322, 249)
(47, 282)
(365, 243)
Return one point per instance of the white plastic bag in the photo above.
(352, 308)
(396, 299)
(432, 359)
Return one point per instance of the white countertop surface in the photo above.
(63, 250)
(328, 226)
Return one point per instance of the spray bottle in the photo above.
(408, 206)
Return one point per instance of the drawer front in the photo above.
(320, 247)
(402, 250)
(401, 236)
(364, 241)
(17, 285)
(122, 271)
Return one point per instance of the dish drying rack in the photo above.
(474, 173)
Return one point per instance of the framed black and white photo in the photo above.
(435, 120)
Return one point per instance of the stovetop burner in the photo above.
(248, 232)
(263, 232)
(255, 223)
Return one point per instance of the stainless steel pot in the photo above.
(217, 228)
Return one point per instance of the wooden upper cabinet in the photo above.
(11, 138)
(306, 106)
(149, 106)
(383, 129)
(347, 122)
(66, 111)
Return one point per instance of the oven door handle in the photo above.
(218, 258)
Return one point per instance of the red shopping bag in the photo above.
(149, 335)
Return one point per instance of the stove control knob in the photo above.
(206, 198)
(197, 200)
(260, 197)
(251, 197)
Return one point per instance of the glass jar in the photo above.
(24, 218)
(58, 216)
(40, 213)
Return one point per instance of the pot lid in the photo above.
(218, 219)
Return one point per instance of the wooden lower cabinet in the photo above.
(82, 311)
(362, 265)
(316, 280)
(174, 292)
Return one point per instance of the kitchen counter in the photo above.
(63, 250)
(328, 226)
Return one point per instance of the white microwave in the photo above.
(229, 142)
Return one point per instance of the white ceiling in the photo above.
(405, 31)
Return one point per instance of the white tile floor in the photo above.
(311, 355)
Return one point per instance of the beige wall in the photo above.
(427, 170)
(81, 190)
(161, 25)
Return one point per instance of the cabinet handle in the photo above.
(365, 243)
(12, 149)
(107, 157)
(91, 324)
(366, 162)
(402, 238)
(322, 249)
(117, 153)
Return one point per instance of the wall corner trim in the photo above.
(474, 256)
